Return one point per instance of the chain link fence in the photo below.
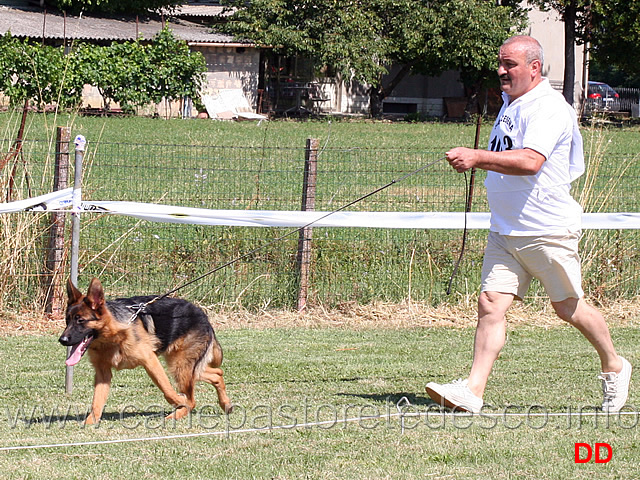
(363, 265)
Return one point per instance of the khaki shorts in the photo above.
(510, 262)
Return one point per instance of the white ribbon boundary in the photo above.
(62, 201)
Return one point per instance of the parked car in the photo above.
(602, 98)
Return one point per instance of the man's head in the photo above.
(520, 65)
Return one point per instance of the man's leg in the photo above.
(616, 371)
(590, 322)
(489, 339)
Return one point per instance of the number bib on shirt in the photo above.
(536, 204)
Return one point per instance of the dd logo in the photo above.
(584, 453)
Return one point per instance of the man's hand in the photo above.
(524, 161)
(462, 159)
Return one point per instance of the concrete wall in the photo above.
(232, 68)
(548, 29)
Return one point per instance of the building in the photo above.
(241, 72)
(432, 95)
(232, 66)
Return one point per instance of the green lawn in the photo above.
(259, 166)
(280, 378)
(294, 387)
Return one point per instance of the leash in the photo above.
(469, 197)
(140, 308)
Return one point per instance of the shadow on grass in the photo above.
(392, 398)
(63, 419)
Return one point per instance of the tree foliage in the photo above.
(130, 73)
(119, 71)
(37, 72)
(114, 6)
(611, 29)
(173, 70)
(614, 30)
(361, 39)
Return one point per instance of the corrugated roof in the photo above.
(31, 22)
(192, 10)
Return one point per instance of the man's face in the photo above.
(516, 76)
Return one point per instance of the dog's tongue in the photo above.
(78, 350)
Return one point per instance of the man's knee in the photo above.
(566, 309)
(493, 305)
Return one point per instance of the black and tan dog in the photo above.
(116, 337)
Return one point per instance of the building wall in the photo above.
(228, 68)
(548, 29)
(427, 95)
(232, 68)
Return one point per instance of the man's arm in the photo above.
(524, 161)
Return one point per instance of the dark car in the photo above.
(602, 98)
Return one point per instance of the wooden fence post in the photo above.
(52, 277)
(306, 234)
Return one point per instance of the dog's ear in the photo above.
(95, 295)
(73, 293)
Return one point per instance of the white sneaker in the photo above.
(455, 395)
(615, 388)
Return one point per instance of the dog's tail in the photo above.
(211, 356)
(216, 352)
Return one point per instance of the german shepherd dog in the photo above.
(116, 337)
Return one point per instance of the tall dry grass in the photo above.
(23, 235)
(604, 253)
(20, 250)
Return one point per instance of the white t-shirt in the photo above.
(538, 204)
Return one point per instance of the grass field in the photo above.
(258, 166)
(317, 396)
(284, 381)
(289, 134)
(341, 133)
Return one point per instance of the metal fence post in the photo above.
(80, 143)
(306, 234)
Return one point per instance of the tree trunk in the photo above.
(378, 93)
(376, 96)
(569, 18)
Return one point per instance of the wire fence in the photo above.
(133, 256)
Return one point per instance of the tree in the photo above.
(174, 70)
(114, 6)
(134, 74)
(614, 32)
(119, 71)
(575, 15)
(611, 29)
(8, 58)
(361, 39)
(130, 73)
(38, 72)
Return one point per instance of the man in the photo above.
(535, 152)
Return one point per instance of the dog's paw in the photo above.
(178, 413)
(91, 420)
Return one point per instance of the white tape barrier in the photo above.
(285, 218)
(50, 202)
(62, 200)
